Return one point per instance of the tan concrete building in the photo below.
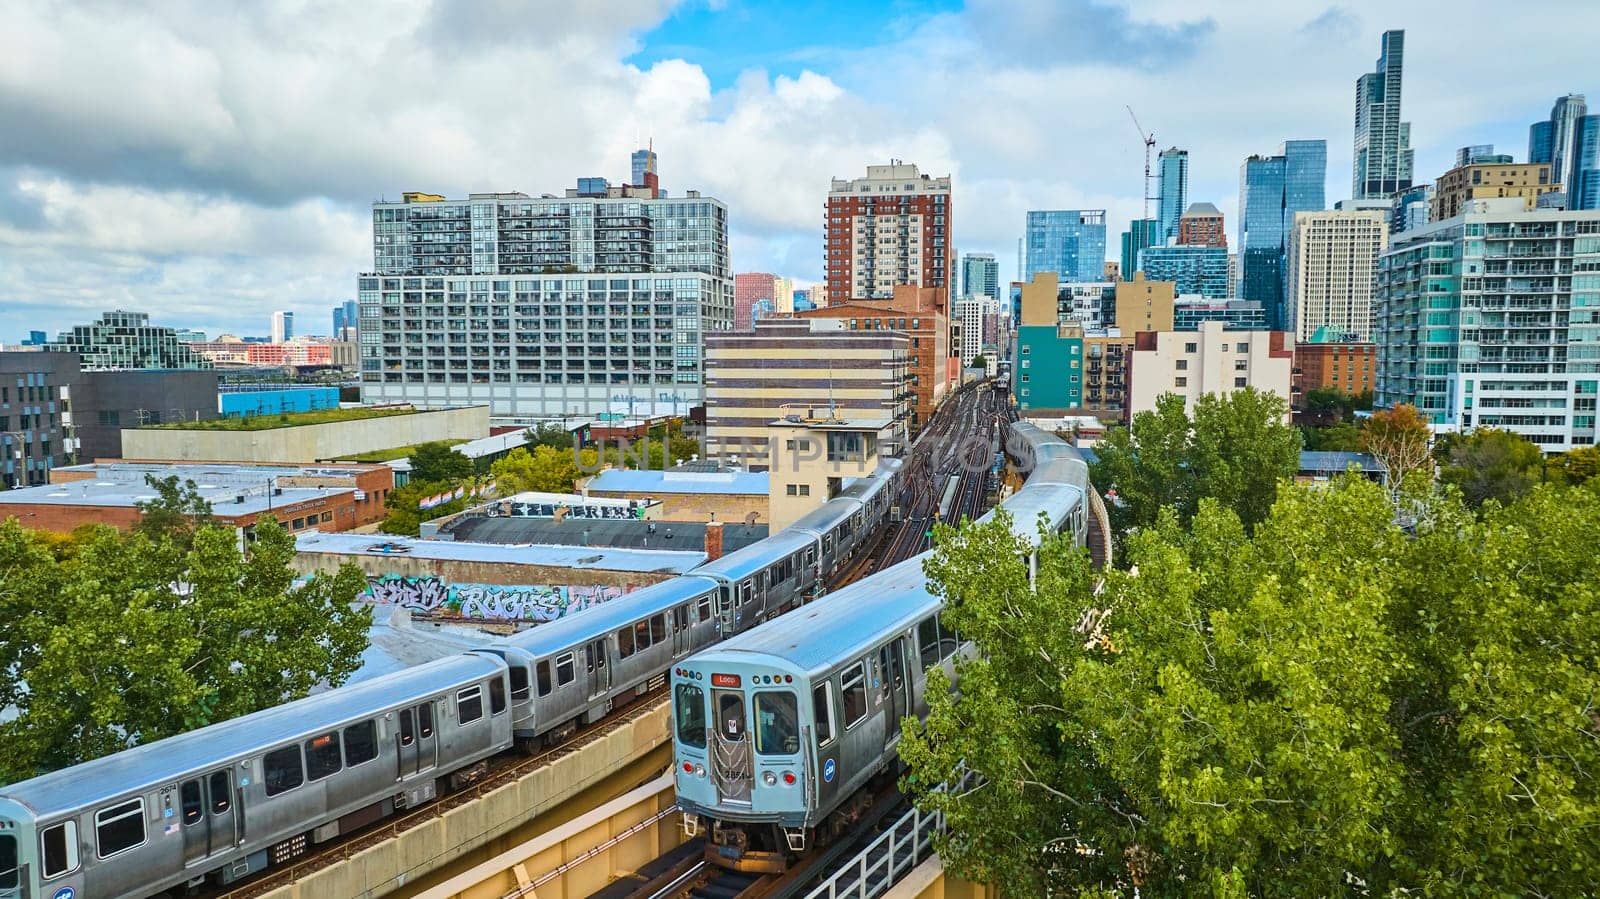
(811, 459)
(1333, 270)
(1210, 360)
(1476, 182)
(1106, 355)
(814, 367)
(923, 313)
(1144, 305)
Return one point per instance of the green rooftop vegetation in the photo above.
(398, 452)
(286, 420)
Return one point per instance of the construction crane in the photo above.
(1149, 145)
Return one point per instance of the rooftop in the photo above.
(1196, 210)
(288, 420)
(231, 489)
(620, 480)
(669, 538)
(602, 558)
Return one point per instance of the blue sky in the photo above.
(210, 163)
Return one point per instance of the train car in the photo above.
(841, 524)
(776, 730)
(763, 579)
(574, 670)
(224, 801)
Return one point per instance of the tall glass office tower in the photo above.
(1570, 141)
(1271, 190)
(1174, 191)
(1069, 242)
(980, 275)
(1383, 143)
(1141, 233)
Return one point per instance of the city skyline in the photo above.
(221, 201)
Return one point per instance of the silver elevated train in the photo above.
(777, 730)
(225, 801)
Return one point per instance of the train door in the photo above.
(892, 662)
(730, 759)
(208, 816)
(599, 671)
(682, 639)
(416, 741)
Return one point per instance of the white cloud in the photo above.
(210, 163)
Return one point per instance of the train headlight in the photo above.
(769, 779)
(699, 770)
(788, 778)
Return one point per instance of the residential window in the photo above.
(1183, 365)
(1180, 382)
(805, 489)
(1241, 365)
(1242, 347)
(1191, 347)
(1240, 382)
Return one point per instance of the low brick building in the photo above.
(1351, 367)
(323, 497)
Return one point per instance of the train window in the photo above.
(730, 714)
(747, 592)
(811, 556)
(854, 692)
(543, 669)
(60, 850)
(408, 731)
(822, 707)
(566, 670)
(625, 643)
(118, 828)
(680, 618)
(360, 745)
(469, 704)
(689, 708)
(777, 723)
(928, 641)
(283, 771)
(193, 806)
(705, 608)
(497, 696)
(425, 720)
(8, 862)
(641, 636)
(658, 629)
(322, 755)
(519, 682)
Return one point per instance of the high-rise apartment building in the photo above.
(749, 289)
(1333, 270)
(890, 228)
(544, 306)
(980, 275)
(1209, 360)
(126, 340)
(1141, 233)
(1271, 190)
(1479, 322)
(817, 368)
(1383, 156)
(1461, 185)
(1069, 242)
(1201, 225)
(1410, 208)
(975, 315)
(282, 326)
(1172, 187)
(1481, 154)
(1199, 270)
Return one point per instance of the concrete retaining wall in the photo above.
(307, 443)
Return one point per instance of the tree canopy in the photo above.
(406, 515)
(1489, 464)
(1235, 449)
(440, 463)
(547, 469)
(1329, 705)
(110, 640)
(1577, 466)
(1398, 439)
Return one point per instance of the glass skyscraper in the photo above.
(980, 275)
(1141, 233)
(1173, 191)
(1383, 156)
(1069, 242)
(1271, 190)
(1194, 269)
(1570, 141)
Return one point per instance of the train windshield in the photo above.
(689, 705)
(8, 862)
(777, 724)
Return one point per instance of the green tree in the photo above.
(1327, 706)
(1576, 467)
(979, 361)
(122, 640)
(439, 462)
(406, 514)
(549, 434)
(1398, 439)
(1489, 464)
(176, 512)
(546, 469)
(1235, 449)
(1342, 436)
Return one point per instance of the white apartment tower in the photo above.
(891, 227)
(1333, 270)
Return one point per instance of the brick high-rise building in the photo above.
(1201, 226)
(890, 228)
(749, 288)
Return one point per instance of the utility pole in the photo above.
(1149, 145)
